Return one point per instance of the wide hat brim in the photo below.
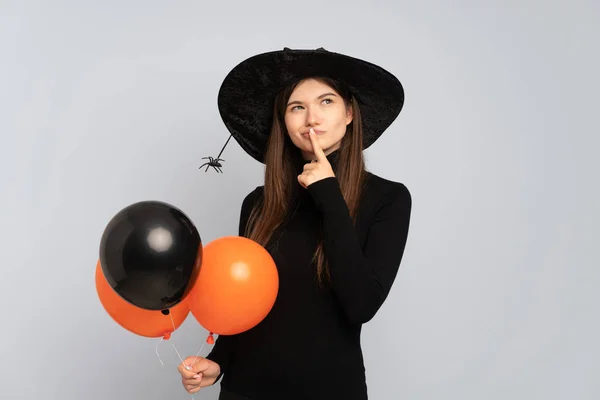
(246, 96)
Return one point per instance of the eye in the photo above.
(295, 107)
(327, 101)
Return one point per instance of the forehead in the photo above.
(310, 88)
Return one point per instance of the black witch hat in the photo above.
(246, 95)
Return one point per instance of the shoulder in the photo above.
(379, 192)
(253, 197)
(248, 204)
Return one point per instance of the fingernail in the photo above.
(196, 376)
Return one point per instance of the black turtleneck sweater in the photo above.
(308, 347)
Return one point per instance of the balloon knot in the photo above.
(210, 339)
(167, 336)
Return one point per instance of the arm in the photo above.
(362, 277)
(223, 349)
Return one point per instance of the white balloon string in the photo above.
(157, 354)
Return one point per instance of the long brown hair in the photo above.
(281, 171)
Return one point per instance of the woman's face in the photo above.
(316, 105)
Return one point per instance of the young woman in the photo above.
(336, 232)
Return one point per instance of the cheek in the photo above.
(341, 124)
(291, 123)
(292, 129)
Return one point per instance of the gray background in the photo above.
(107, 103)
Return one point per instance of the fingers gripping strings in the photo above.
(209, 340)
(215, 162)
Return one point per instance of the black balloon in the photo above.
(150, 253)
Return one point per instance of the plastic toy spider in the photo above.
(212, 162)
(215, 162)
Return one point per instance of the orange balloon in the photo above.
(237, 286)
(148, 323)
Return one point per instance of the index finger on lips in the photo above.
(317, 150)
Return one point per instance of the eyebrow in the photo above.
(320, 97)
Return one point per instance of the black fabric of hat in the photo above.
(246, 96)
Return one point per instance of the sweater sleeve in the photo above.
(224, 347)
(362, 277)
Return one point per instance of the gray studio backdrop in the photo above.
(107, 103)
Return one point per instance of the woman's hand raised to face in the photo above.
(198, 372)
(318, 169)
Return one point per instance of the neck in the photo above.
(333, 159)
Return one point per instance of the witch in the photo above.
(336, 232)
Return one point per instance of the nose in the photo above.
(312, 117)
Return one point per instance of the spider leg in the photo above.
(219, 169)
(202, 165)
